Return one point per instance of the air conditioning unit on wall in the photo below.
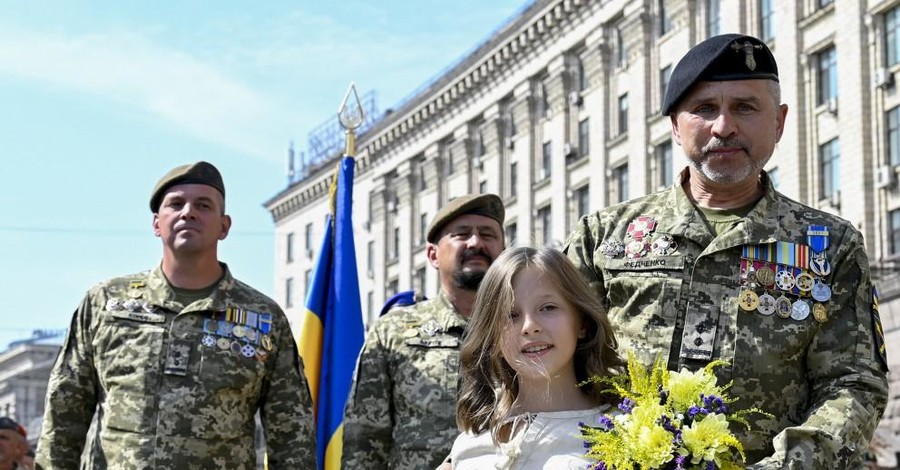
(575, 98)
(885, 177)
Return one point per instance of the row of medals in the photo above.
(772, 276)
(237, 338)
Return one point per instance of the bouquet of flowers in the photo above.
(668, 420)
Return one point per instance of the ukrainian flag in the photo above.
(332, 333)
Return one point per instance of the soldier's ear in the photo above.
(155, 224)
(431, 254)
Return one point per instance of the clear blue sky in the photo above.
(99, 99)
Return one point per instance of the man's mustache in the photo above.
(719, 144)
(469, 254)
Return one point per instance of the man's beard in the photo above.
(468, 280)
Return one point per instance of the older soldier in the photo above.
(13, 444)
(401, 413)
(722, 266)
(176, 361)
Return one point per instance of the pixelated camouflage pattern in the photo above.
(822, 382)
(150, 420)
(401, 413)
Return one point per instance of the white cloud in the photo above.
(180, 89)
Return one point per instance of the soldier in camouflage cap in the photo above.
(176, 362)
(401, 413)
(722, 266)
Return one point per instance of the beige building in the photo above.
(558, 113)
(24, 372)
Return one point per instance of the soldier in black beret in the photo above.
(721, 266)
(406, 377)
(13, 443)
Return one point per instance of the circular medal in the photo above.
(212, 325)
(208, 341)
(750, 276)
(132, 305)
(784, 280)
(748, 300)
(223, 343)
(783, 307)
(821, 291)
(766, 304)
(800, 310)
(225, 328)
(236, 346)
(239, 331)
(765, 276)
(251, 334)
(819, 313)
(636, 249)
(113, 304)
(820, 265)
(248, 350)
(805, 281)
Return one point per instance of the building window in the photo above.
(767, 20)
(619, 183)
(584, 137)
(545, 100)
(289, 292)
(420, 177)
(420, 280)
(894, 230)
(621, 49)
(308, 237)
(664, 76)
(423, 228)
(370, 305)
(481, 148)
(623, 114)
(664, 163)
(580, 204)
(451, 167)
(512, 231)
(289, 249)
(395, 244)
(826, 74)
(823, 3)
(893, 136)
(513, 179)
(829, 168)
(712, 17)
(665, 22)
(482, 187)
(892, 36)
(370, 256)
(546, 161)
(581, 78)
(392, 287)
(544, 225)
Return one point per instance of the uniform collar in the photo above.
(157, 291)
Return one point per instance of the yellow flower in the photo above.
(685, 388)
(649, 444)
(709, 439)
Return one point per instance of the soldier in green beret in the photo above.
(175, 363)
(401, 413)
(722, 266)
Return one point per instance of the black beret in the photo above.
(718, 59)
(192, 173)
(488, 205)
(8, 423)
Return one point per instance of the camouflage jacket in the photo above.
(401, 413)
(676, 291)
(176, 386)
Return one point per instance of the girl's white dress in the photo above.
(552, 440)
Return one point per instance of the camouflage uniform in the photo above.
(822, 382)
(401, 413)
(175, 386)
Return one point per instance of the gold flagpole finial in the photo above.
(351, 116)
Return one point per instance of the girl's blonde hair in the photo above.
(488, 384)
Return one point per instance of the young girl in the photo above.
(537, 331)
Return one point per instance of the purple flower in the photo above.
(679, 462)
(714, 404)
(710, 465)
(627, 405)
(605, 423)
(694, 411)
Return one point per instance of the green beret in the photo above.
(488, 205)
(718, 59)
(192, 173)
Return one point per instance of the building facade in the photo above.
(559, 113)
(24, 373)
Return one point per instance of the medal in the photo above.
(783, 307)
(805, 281)
(132, 305)
(208, 341)
(819, 313)
(784, 280)
(819, 264)
(766, 304)
(430, 328)
(641, 227)
(113, 305)
(821, 291)
(248, 350)
(748, 300)
(611, 248)
(800, 310)
(223, 343)
(664, 246)
(636, 249)
(239, 331)
(765, 276)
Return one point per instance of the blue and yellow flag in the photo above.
(332, 333)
